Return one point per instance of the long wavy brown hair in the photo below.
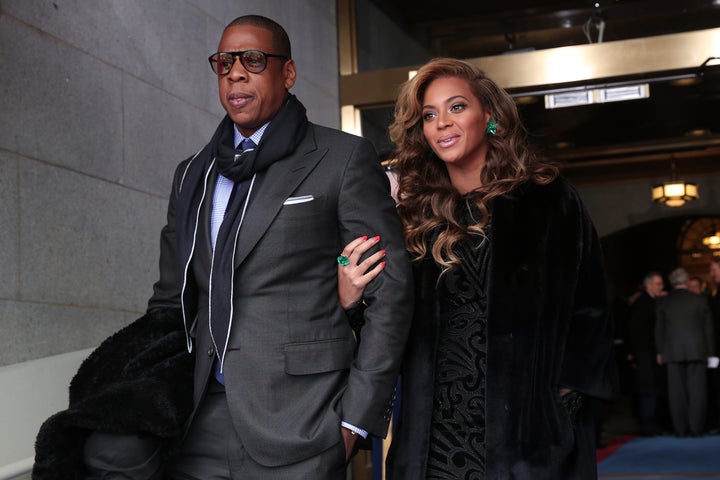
(427, 201)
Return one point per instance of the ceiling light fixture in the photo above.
(674, 193)
(698, 132)
(685, 81)
(573, 98)
(712, 241)
(526, 99)
(617, 91)
(562, 144)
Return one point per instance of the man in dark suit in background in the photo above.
(642, 353)
(281, 390)
(684, 338)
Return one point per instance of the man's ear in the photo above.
(289, 73)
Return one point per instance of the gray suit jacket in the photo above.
(292, 372)
(683, 327)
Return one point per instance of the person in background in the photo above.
(696, 285)
(714, 272)
(684, 339)
(648, 382)
(511, 333)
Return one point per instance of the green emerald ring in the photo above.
(343, 260)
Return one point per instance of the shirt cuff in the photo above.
(355, 429)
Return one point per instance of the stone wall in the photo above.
(100, 100)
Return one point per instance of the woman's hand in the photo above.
(354, 277)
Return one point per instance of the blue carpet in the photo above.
(665, 476)
(659, 458)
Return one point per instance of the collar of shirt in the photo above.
(255, 137)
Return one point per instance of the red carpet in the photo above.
(612, 446)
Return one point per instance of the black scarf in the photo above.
(280, 139)
(285, 131)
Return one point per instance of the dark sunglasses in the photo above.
(254, 61)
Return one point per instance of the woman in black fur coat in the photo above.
(511, 336)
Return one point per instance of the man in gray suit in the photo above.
(281, 389)
(684, 339)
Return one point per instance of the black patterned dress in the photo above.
(457, 441)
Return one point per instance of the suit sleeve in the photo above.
(166, 291)
(709, 329)
(365, 207)
(660, 328)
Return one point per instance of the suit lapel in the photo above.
(278, 182)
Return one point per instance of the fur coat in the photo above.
(548, 327)
(137, 381)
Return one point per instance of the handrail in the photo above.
(18, 470)
(32, 391)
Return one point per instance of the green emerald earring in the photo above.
(491, 126)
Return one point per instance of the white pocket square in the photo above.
(302, 199)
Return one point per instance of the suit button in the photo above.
(211, 352)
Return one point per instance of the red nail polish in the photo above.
(384, 252)
(377, 238)
(364, 237)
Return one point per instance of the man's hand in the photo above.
(350, 438)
